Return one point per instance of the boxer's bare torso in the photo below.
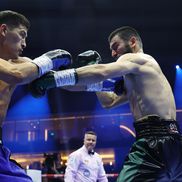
(147, 89)
(149, 92)
(12, 73)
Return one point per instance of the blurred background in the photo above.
(53, 126)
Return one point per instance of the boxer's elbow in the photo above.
(106, 99)
(106, 105)
(110, 106)
(113, 102)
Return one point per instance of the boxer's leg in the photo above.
(142, 164)
(155, 159)
(9, 170)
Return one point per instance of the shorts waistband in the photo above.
(156, 126)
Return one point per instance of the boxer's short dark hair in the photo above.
(13, 19)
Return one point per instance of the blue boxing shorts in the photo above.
(156, 155)
(10, 171)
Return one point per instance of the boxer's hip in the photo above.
(156, 126)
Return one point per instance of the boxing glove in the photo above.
(93, 57)
(88, 58)
(39, 86)
(52, 79)
(69, 77)
(54, 59)
(119, 87)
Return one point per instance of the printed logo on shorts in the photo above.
(173, 128)
(86, 173)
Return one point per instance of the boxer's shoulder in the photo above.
(20, 60)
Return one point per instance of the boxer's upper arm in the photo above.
(19, 73)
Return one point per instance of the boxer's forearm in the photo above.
(126, 64)
(92, 74)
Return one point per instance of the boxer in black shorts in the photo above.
(156, 155)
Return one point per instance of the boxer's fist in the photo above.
(88, 58)
(39, 86)
(54, 59)
(60, 58)
(53, 79)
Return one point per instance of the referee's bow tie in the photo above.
(91, 152)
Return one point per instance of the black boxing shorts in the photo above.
(10, 171)
(156, 156)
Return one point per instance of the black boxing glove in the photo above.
(39, 86)
(88, 58)
(119, 87)
(52, 79)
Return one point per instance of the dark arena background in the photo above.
(53, 126)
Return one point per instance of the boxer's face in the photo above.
(90, 141)
(119, 47)
(14, 41)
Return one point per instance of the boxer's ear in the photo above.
(132, 41)
(3, 29)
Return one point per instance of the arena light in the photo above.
(128, 130)
(177, 67)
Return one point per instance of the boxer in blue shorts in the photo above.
(16, 70)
